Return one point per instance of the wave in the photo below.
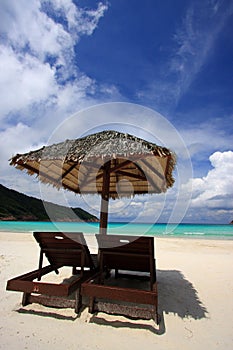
(194, 233)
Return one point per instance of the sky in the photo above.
(69, 67)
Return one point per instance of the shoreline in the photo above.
(179, 237)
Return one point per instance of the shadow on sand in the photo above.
(178, 296)
(46, 314)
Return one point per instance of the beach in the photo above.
(195, 288)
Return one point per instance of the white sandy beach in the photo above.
(195, 282)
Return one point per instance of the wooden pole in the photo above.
(105, 199)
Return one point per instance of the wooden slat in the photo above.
(117, 293)
(34, 274)
(64, 248)
(38, 287)
(132, 240)
(126, 263)
(127, 253)
(23, 284)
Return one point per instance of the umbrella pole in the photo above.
(105, 199)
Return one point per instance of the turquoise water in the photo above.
(157, 230)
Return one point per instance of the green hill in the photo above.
(17, 206)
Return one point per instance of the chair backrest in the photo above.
(126, 252)
(64, 248)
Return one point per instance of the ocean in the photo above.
(156, 230)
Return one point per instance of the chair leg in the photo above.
(108, 273)
(155, 274)
(40, 265)
(153, 277)
(78, 300)
(91, 305)
(25, 300)
(157, 318)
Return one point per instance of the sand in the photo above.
(195, 283)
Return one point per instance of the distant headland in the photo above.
(16, 206)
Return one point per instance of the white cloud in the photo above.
(87, 19)
(215, 190)
(23, 81)
(37, 53)
(32, 29)
(18, 138)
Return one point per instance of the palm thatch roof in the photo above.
(77, 165)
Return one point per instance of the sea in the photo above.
(125, 228)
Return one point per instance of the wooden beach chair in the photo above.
(124, 253)
(60, 249)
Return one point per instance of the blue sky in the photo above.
(175, 57)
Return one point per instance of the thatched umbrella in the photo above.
(110, 163)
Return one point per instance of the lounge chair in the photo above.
(134, 255)
(60, 249)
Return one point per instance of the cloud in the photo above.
(25, 80)
(47, 26)
(41, 83)
(33, 30)
(37, 53)
(215, 191)
(212, 194)
(18, 138)
(87, 19)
